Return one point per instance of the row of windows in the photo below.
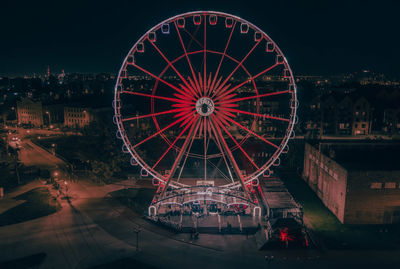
(74, 109)
(361, 125)
(76, 121)
(76, 115)
(385, 185)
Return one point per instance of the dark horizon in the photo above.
(93, 37)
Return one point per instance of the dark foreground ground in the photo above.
(93, 229)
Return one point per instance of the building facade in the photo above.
(30, 112)
(77, 117)
(355, 186)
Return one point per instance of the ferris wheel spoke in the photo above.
(177, 110)
(221, 150)
(205, 147)
(237, 144)
(163, 81)
(222, 94)
(173, 143)
(186, 54)
(173, 67)
(222, 57)
(236, 68)
(249, 131)
(162, 130)
(255, 114)
(192, 37)
(188, 150)
(179, 158)
(175, 100)
(250, 97)
(230, 155)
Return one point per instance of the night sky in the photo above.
(317, 37)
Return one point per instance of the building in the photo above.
(30, 112)
(358, 182)
(391, 121)
(361, 117)
(77, 116)
(53, 114)
(338, 114)
(344, 117)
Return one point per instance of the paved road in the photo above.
(92, 229)
(33, 155)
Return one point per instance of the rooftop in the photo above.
(364, 155)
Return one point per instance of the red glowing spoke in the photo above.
(205, 148)
(183, 113)
(220, 148)
(218, 116)
(186, 54)
(161, 80)
(205, 55)
(222, 90)
(228, 97)
(201, 127)
(255, 114)
(180, 96)
(251, 97)
(249, 131)
(178, 158)
(248, 80)
(185, 121)
(201, 83)
(227, 105)
(192, 36)
(223, 56)
(172, 66)
(237, 144)
(181, 105)
(195, 86)
(159, 97)
(208, 85)
(227, 113)
(234, 70)
(188, 151)
(189, 91)
(173, 143)
(162, 130)
(231, 158)
(185, 110)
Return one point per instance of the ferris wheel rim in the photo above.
(289, 130)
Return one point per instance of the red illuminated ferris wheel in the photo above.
(205, 95)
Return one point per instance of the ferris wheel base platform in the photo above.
(209, 224)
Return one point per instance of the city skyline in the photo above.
(93, 37)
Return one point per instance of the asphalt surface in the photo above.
(92, 229)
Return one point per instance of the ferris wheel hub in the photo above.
(205, 106)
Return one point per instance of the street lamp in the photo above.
(53, 148)
(48, 114)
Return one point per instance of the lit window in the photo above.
(376, 185)
(390, 185)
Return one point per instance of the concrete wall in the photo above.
(373, 197)
(328, 180)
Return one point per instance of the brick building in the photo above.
(337, 114)
(77, 116)
(30, 112)
(358, 182)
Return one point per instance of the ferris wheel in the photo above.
(205, 96)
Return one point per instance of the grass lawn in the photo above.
(136, 199)
(38, 203)
(327, 227)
